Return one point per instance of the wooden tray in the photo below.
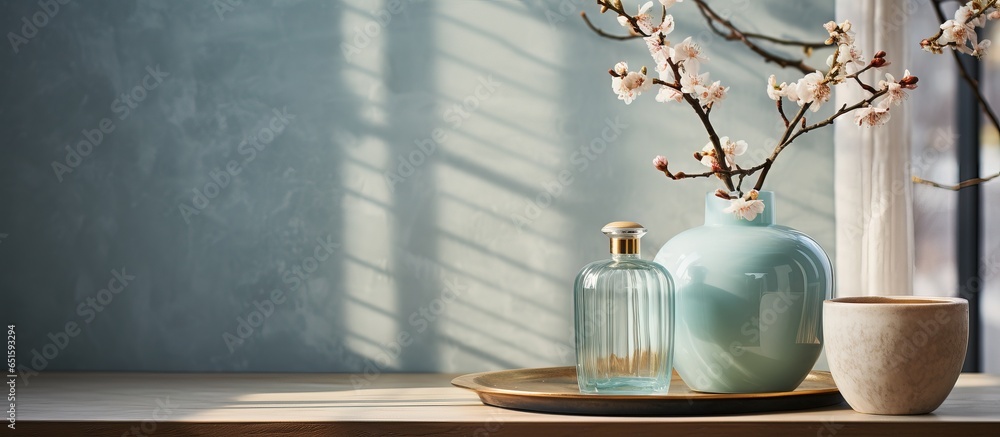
(554, 390)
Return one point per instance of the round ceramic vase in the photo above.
(749, 301)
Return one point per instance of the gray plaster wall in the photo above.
(418, 183)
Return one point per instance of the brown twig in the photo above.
(621, 11)
(735, 34)
(741, 172)
(864, 86)
(784, 142)
(958, 186)
(603, 33)
(781, 111)
(857, 74)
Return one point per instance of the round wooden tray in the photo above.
(554, 390)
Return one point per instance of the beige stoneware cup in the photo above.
(895, 355)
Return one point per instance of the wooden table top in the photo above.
(413, 404)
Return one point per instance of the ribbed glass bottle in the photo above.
(624, 319)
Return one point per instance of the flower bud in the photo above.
(697, 156)
(679, 175)
(909, 82)
(879, 62)
(660, 162)
(621, 69)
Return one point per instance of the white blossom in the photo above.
(621, 68)
(690, 82)
(710, 94)
(667, 94)
(746, 209)
(955, 32)
(732, 149)
(775, 91)
(872, 116)
(629, 86)
(839, 33)
(689, 53)
(666, 26)
(964, 13)
(850, 55)
(810, 89)
(666, 75)
(831, 27)
(896, 93)
(659, 49)
(642, 19)
(981, 48)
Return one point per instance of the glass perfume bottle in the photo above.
(624, 319)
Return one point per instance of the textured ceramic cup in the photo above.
(895, 355)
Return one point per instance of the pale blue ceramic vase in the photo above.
(749, 301)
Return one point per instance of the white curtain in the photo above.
(873, 189)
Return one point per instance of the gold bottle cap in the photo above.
(624, 236)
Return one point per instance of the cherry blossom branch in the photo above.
(735, 34)
(701, 94)
(958, 186)
(741, 172)
(973, 85)
(618, 9)
(843, 110)
(791, 133)
(600, 32)
(964, 72)
(863, 85)
(705, 121)
(933, 42)
(723, 171)
(784, 142)
(781, 111)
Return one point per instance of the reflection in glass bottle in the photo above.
(624, 320)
